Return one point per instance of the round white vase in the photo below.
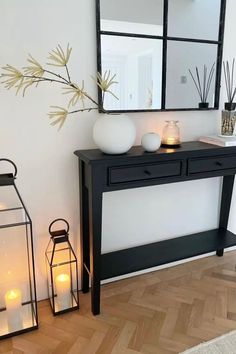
(114, 133)
(151, 142)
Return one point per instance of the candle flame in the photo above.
(13, 294)
(63, 277)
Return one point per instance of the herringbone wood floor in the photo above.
(162, 312)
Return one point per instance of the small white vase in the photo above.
(114, 133)
(151, 142)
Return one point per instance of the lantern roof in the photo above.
(12, 209)
(59, 250)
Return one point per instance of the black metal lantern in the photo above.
(18, 305)
(62, 271)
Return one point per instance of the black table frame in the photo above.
(99, 173)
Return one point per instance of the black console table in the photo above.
(101, 173)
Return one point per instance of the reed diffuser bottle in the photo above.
(228, 118)
(202, 82)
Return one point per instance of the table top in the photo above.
(191, 147)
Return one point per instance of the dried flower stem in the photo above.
(83, 110)
(43, 79)
(68, 74)
(56, 75)
(36, 79)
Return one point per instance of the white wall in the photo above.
(48, 176)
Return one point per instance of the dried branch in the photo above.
(35, 73)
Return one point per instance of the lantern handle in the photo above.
(56, 220)
(12, 163)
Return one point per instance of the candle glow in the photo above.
(63, 278)
(172, 141)
(13, 301)
(63, 288)
(171, 134)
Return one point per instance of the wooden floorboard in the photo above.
(162, 312)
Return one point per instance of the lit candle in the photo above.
(13, 301)
(171, 134)
(63, 291)
(172, 141)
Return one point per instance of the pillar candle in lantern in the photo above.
(13, 301)
(63, 291)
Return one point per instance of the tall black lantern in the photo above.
(62, 271)
(18, 306)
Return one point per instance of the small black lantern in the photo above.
(62, 271)
(18, 305)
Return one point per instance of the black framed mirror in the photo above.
(154, 48)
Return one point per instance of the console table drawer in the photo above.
(134, 173)
(209, 164)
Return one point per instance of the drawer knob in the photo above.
(147, 172)
(218, 163)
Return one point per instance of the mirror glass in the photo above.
(194, 19)
(150, 45)
(137, 63)
(132, 16)
(181, 91)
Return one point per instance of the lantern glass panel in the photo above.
(61, 253)
(11, 208)
(17, 291)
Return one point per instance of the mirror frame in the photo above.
(165, 38)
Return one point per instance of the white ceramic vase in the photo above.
(151, 142)
(114, 133)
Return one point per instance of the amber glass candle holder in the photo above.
(171, 134)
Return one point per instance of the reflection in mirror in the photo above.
(132, 16)
(182, 56)
(197, 19)
(137, 63)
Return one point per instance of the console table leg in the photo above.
(84, 229)
(226, 197)
(220, 253)
(95, 230)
